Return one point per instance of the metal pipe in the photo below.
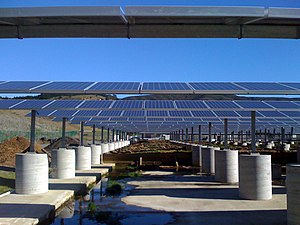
(225, 133)
(199, 135)
(186, 134)
(81, 132)
(63, 132)
(32, 131)
(113, 135)
(102, 134)
(94, 134)
(253, 140)
(209, 132)
(108, 135)
(192, 135)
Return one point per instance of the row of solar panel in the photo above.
(166, 113)
(147, 104)
(142, 87)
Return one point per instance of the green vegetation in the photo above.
(114, 188)
(7, 181)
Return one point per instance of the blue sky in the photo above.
(150, 59)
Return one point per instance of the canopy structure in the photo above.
(243, 88)
(150, 22)
(159, 116)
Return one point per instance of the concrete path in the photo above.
(195, 200)
(31, 209)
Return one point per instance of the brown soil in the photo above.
(57, 143)
(9, 148)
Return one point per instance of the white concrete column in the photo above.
(104, 148)
(255, 177)
(227, 167)
(96, 154)
(31, 173)
(111, 146)
(83, 158)
(63, 163)
(293, 194)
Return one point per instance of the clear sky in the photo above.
(150, 59)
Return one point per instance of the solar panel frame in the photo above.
(272, 114)
(263, 87)
(180, 113)
(157, 113)
(222, 105)
(95, 104)
(87, 113)
(162, 104)
(190, 104)
(115, 87)
(226, 114)
(215, 87)
(283, 104)
(7, 104)
(62, 87)
(19, 86)
(291, 114)
(63, 104)
(128, 104)
(134, 113)
(64, 113)
(165, 87)
(248, 104)
(203, 114)
(111, 113)
(32, 104)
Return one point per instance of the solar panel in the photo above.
(135, 113)
(32, 104)
(214, 86)
(263, 86)
(64, 113)
(63, 104)
(108, 87)
(226, 114)
(283, 104)
(42, 113)
(174, 119)
(163, 104)
(155, 119)
(221, 104)
(291, 113)
(95, 104)
(165, 86)
(247, 114)
(19, 86)
(80, 119)
(271, 114)
(98, 119)
(6, 104)
(111, 113)
(136, 119)
(252, 104)
(118, 118)
(155, 113)
(203, 114)
(65, 87)
(128, 104)
(186, 104)
(87, 113)
(293, 85)
(180, 113)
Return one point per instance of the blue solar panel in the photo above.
(283, 104)
(263, 86)
(271, 114)
(190, 104)
(253, 105)
(64, 113)
(168, 86)
(111, 113)
(247, 114)
(174, 119)
(226, 114)
(80, 119)
(136, 113)
(203, 114)
(155, 119)
(63, 104)
(128, 104)
(42, 113)
(163, 104)
(20, 85)
(222, 104)
(95, 104)
(155, 113)
(98, 119)
(87, 113)
(214, 86)
(118, 119)
(291, 113)
(115, 86)
(6, 104)
(68, 86)
(293, 85)
(136, 119)
(32, 104)
(180, 113)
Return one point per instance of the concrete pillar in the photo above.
(208, 160)
(63, 163)
(104, 148)
(31, 173)
(209, 132)
(111, 146)
(225, 133)
(196, 155)
(96, 154)
(255, 181)
(227, 166)
(293, 194)
(83, 158)
(81, 133)
(63, 133)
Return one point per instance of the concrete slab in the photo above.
(78, 184)
(32, 209)
(93, 172)
(108, 166)
(199, 200)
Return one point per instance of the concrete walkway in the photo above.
(199, 200)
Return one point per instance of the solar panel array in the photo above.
(149, 87)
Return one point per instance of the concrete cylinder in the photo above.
(31, 173)
(83, 158)
(286, 147)
(96, 154)
(208, 160)
(111, 146)
(196, 155)
(63, 163)
(255, 181)
(276, 171)
(227, 166)
(104, 148)
(293, 193)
